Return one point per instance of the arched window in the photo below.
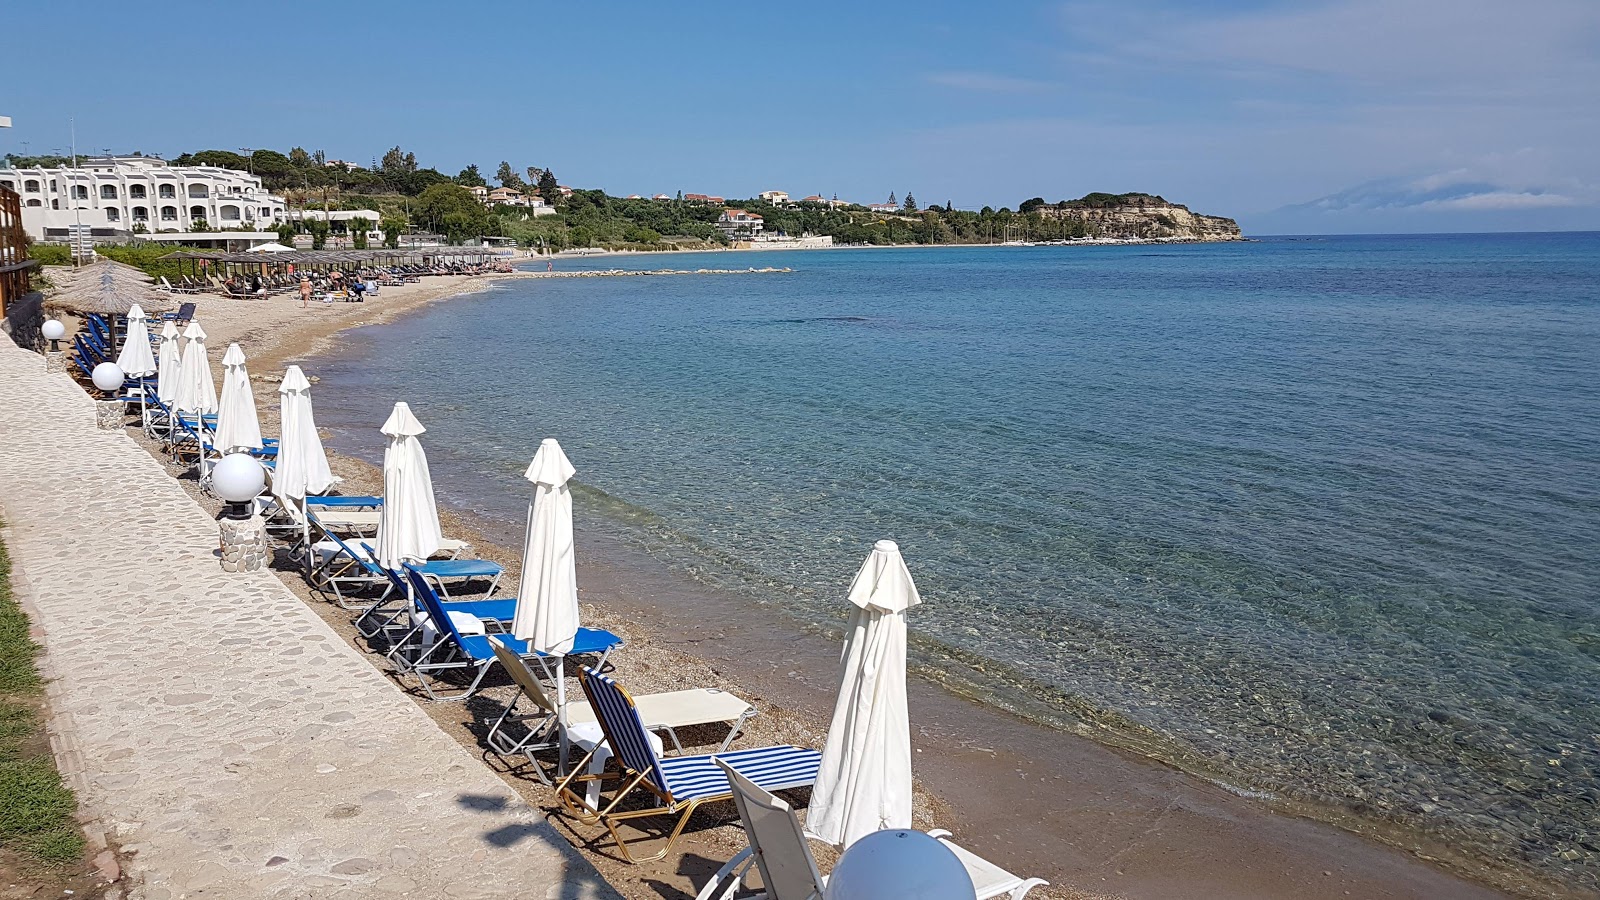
(108, 192)
(141, 214)
(112, 215)
(34, 203)
(197, 212)
(136, 192)
(169, 213)
(80, 192)
(168, 192)
(266, 213)
(198, 191)
(55, 204)
(31, 186)
(229, 213)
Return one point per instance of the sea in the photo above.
(1317, 518)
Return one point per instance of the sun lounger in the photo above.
(341, 567)
(462, 642)
(543, 729)
(778, 849)
(680, 784)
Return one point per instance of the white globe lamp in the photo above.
(899, 863)
(238, 479)
(107, 377)
(53, 331)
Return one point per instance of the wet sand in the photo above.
(1093, 820)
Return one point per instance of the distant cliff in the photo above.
(1137, 216)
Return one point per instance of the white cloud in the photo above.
(1493, 200)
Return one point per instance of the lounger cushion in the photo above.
(588, 640)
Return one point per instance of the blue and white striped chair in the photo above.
(680, 783)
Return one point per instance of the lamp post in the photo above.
(108, 411)
(238, 479)
(53, 331)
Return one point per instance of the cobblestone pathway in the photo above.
(229, 741)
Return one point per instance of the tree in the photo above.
(320, 158)
(440, 202)
(550, 189)
(392, 229)
(891, 198)
(533, 174)
(470, 177)
(1028, 206)
(911, 203)
(397, 162)
(286, 233)
(507, 177)
(299, 158)
(319, 232)
(359, 226)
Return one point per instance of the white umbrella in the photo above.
(547, 604)
(270, 247)
(302, 465)
(864, 784)
(408, 526)
(197, 391)
(136, 360)
(167, 369)
(237, 426)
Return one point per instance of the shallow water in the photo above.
(1319, 517)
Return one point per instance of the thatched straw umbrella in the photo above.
(106, 288)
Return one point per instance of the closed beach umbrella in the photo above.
(547, 598)
(864, 784)
(197, 391)
(237, 426)
(167, 368)
(136, 360)
(302, 465)
(408, 527)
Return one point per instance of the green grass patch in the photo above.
(36, 809)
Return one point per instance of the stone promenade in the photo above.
(215, 728)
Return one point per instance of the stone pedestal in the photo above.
(110, 414)
(55, 361)
(244, 544)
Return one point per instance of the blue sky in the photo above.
(1311, 116)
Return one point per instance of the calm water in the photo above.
(1320, 518)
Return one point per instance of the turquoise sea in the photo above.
(1316, 517)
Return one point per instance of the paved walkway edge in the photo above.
(215, 728)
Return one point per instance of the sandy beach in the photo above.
(1095, 821)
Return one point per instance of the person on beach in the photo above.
(305, 291)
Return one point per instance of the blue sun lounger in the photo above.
(338, 566)
(680, 783)
(454, 648)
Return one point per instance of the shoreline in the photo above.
(1113, 821)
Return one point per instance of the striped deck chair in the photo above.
(680, 784)
(461, 642)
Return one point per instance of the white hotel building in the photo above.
(112, 196)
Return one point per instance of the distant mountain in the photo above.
(1445, 202)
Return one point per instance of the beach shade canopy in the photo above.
(238, 429)
(547, 597)
(864, 784)
(302, 467)
(136, 360)
(197, 390)
(106, 288)
(408, 526)
(168, 365)
(271, 247)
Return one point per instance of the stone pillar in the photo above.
(55, 361)
(244, 544)
(109, 414)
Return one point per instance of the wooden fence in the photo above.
(15, 266)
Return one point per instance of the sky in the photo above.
(1317, 116)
